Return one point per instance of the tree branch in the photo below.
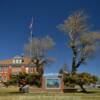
(80, 62)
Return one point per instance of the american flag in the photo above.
(31, 23)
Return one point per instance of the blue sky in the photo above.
(15, 16)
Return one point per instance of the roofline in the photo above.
(27, 65)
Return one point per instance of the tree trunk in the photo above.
(74, 69)
(74, 59)
(83, 89)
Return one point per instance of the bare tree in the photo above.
(39, 48)
(82, 41)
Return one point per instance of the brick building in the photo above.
(14, 66)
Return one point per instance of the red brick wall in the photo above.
(7, 72)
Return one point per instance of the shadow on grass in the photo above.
(11, 93)
(92, 92)
(89, 92)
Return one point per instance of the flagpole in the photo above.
(31, 36)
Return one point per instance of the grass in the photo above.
(12, 93)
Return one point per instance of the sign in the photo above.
(53, 83)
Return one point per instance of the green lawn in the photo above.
(12, 93)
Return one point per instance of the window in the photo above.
(14, 61)
(0, 78)
(6, 69)
(30, 70)
(0, 69)
(20, 61)
(17, 61)
(27, 69)
(5, 78)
